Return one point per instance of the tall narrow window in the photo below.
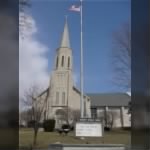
(57, 98)
(57, 62)
(63, 98)
(45, 115)
(62, 61)
(68, 62)
(94, 112)
(85, 108)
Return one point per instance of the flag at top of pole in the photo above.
(75, 8)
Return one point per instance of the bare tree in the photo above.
(111, 117)
(23, 17)
(25, 116)
(76, 116)
(37, 104)
(108, 118)
(23, 4)
(122, 56)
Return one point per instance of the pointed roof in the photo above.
(65, 42)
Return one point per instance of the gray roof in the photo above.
(109, 99)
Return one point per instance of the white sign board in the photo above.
(89, 129)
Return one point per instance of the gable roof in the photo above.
(109, 99)
(79, 92)
(42, 93)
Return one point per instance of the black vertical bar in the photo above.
(140, 74)
(9, 74)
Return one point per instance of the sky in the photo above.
(101, 18)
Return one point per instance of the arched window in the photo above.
(62, 61)
(68, 62)
(57, 98)
(57, 62)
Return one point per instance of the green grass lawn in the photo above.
(46, 138)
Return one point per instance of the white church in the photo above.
(62, 92)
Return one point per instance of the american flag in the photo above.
(75, 8)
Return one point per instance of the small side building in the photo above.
(111, 106)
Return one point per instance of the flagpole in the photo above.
(81, 67)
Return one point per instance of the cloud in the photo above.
(33, 64)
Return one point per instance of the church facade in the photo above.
(61, 93)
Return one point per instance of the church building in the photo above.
(62, 93)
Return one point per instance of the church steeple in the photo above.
(65, 41)
(63, 59)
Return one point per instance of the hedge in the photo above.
(49, 125)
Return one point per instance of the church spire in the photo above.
(65, 42)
